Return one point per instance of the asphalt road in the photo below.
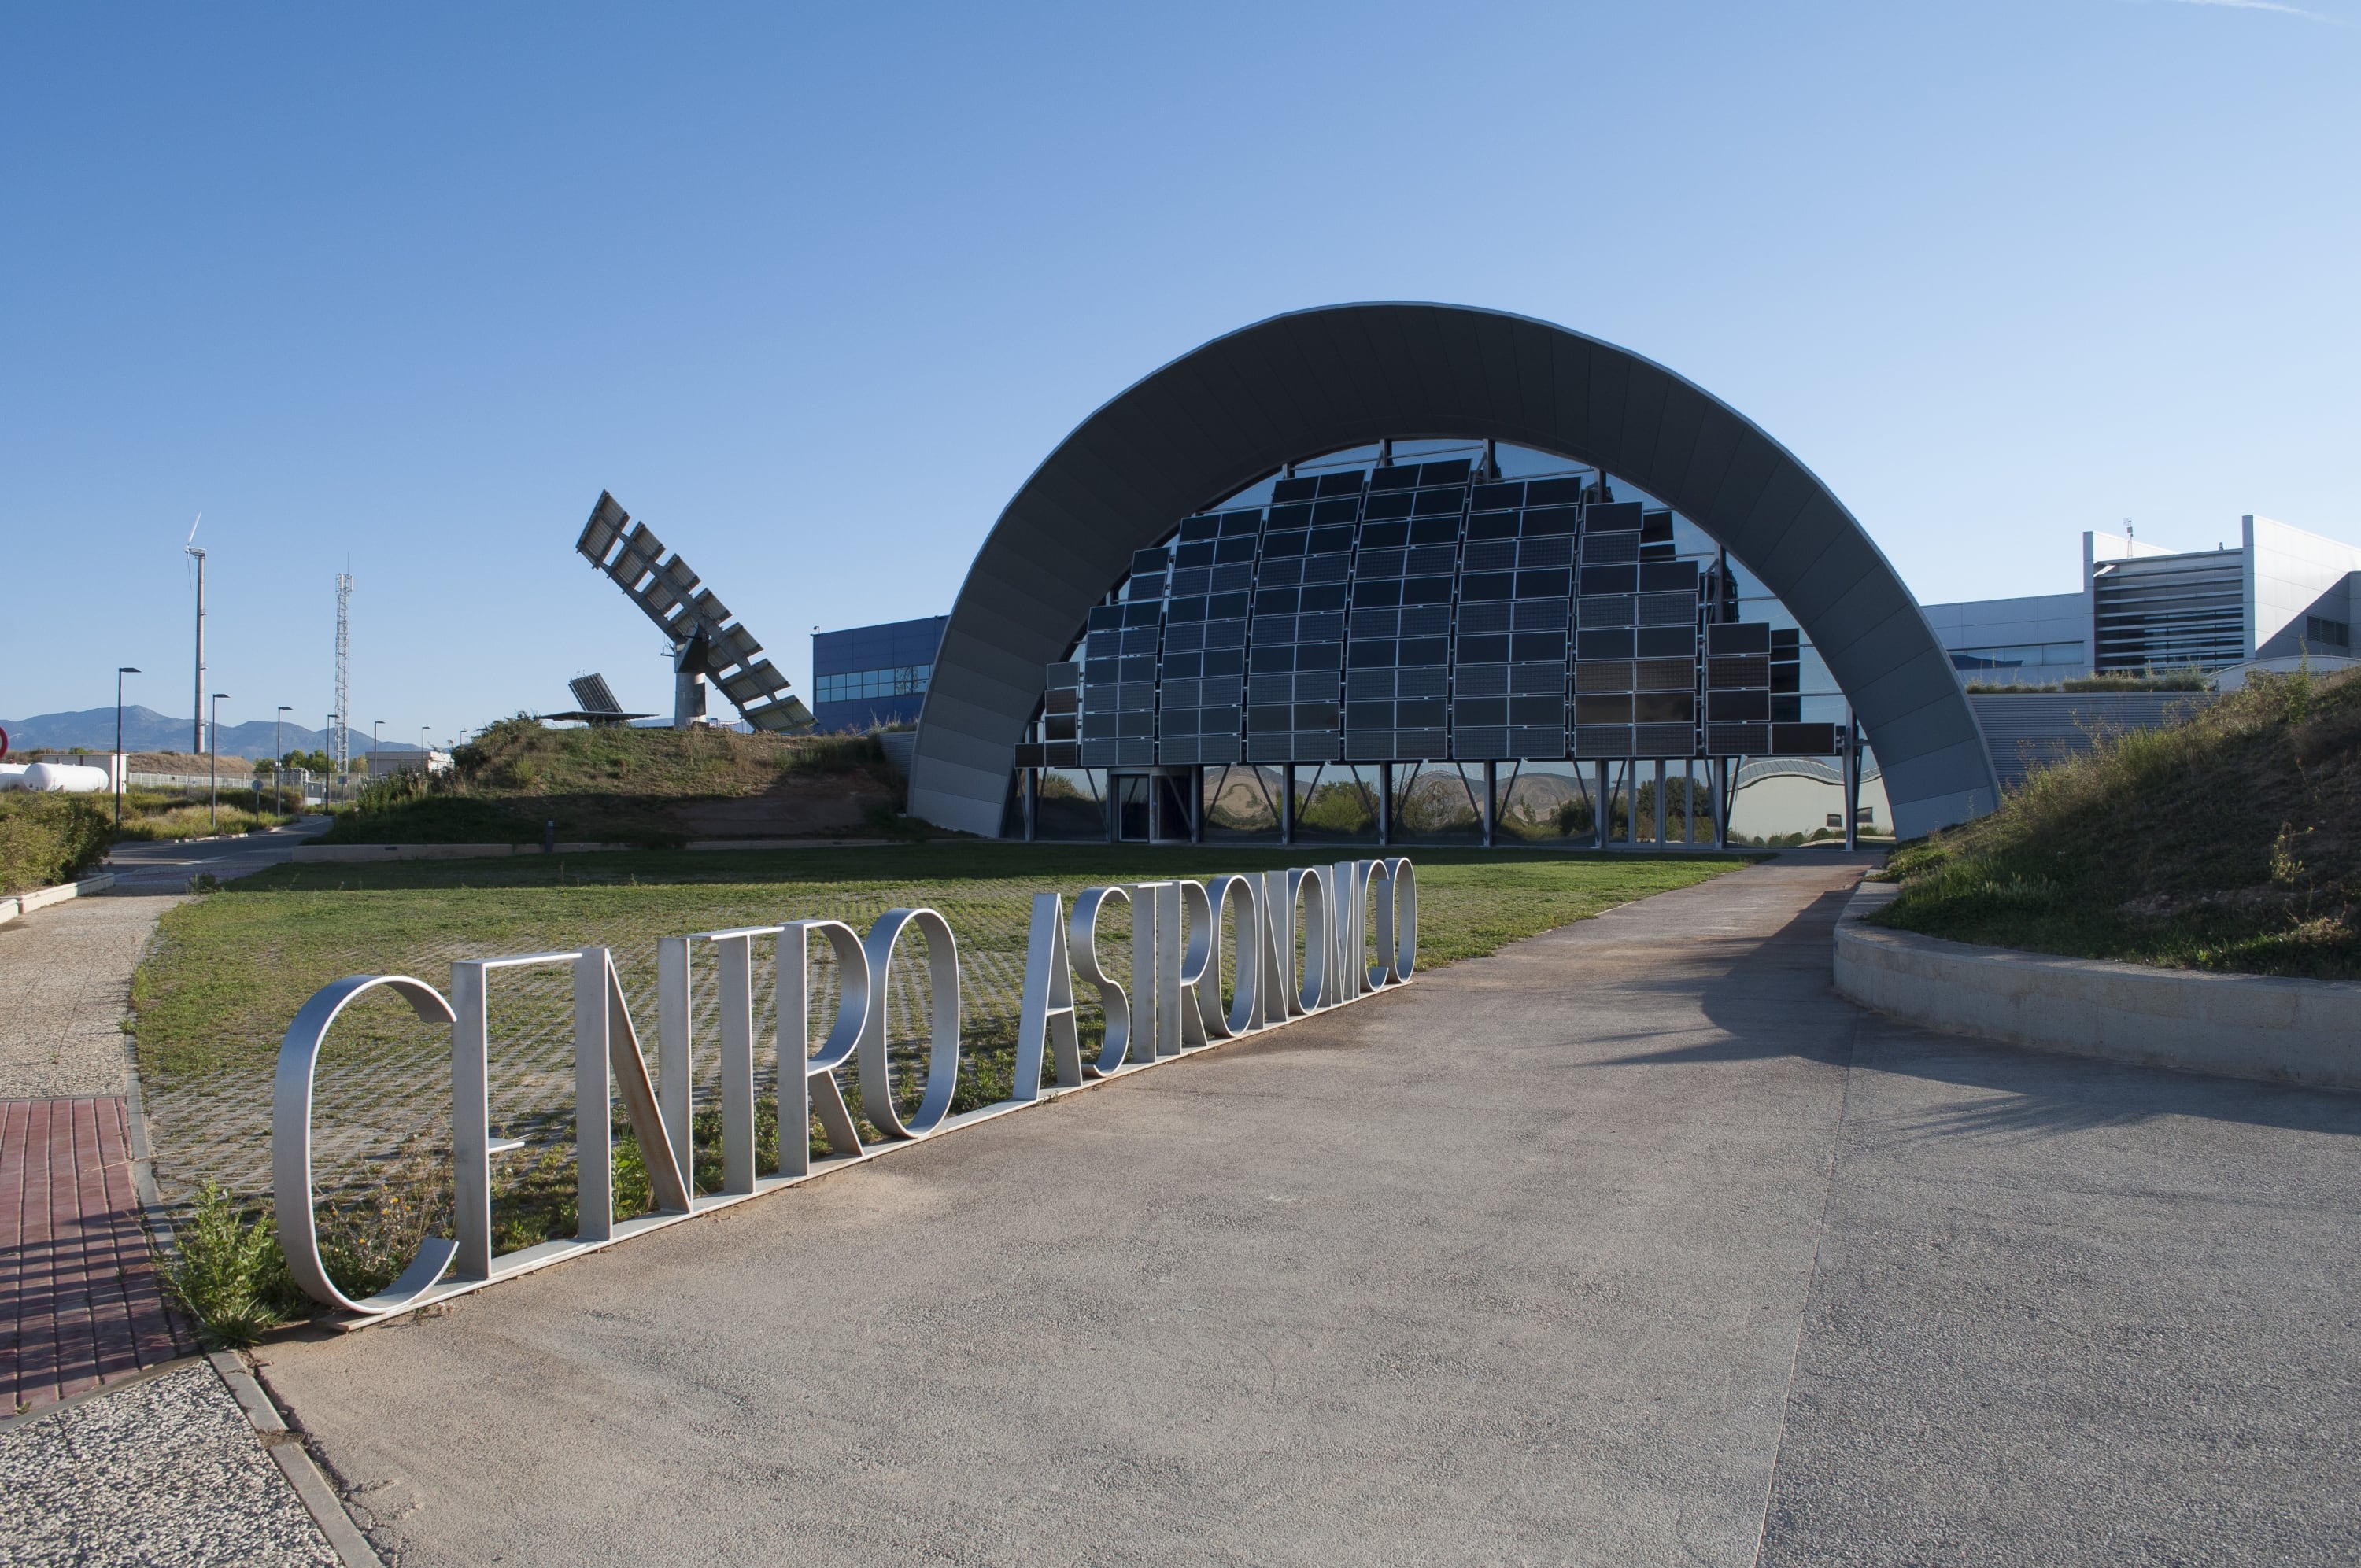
(1632, 1245)
(169, 866)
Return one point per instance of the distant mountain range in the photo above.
(145, 730)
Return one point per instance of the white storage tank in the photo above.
(12, 776)
(65, 778)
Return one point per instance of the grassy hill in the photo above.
(653, 787)
(2229, 842)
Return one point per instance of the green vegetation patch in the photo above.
(49, 839)
(612, 784)
(2229, 841)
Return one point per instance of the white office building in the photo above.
(2277, 595)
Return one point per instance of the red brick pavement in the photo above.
(80, 1303)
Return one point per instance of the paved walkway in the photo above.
(135, 1465)
(79, 1299)
(1632, 1245)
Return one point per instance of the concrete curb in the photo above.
(295, 1461)
(2303, 1031)
(17, 903)
(347, 854)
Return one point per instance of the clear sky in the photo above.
(400, 290)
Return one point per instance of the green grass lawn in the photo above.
(228, 972)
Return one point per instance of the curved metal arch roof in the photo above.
(1314, 381)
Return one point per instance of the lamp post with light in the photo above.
(120, 671)
(279, 761)
(212, 763)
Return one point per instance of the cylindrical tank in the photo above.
(12, 774)
(65, 778)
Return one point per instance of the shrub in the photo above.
(50, 838)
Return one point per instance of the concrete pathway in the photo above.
(1632, 1245)
(65, 989)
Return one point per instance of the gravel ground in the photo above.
(65, 985)
(168, 1471)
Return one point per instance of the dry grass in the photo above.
(2230, 840)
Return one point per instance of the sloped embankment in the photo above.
(655, 788)
(2230, 840)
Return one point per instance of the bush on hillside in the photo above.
(2230, 841)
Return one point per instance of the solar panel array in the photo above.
(666, 588)
(1422, 611)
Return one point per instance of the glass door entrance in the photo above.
(1135, 798)
(1151, 809)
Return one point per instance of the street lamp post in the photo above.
(279, 761)
(120, 671)
(213, 764)
(377, 738)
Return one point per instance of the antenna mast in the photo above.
(340, 748)
(190, 548)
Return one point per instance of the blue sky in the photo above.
(813, 291)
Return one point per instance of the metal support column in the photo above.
(1197, 803)
(1286, 803)
(1852, 781)
(1600, 812)
(1688, 801)
(1659, 803)
(1032, 801)
(1385, 804)
(1491, 799)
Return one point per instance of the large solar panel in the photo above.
(593, 693)
(668, 591)
(1423, 612)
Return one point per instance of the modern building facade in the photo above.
(2278, 594)
(871, 678)
(1405, 572)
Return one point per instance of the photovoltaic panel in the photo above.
(667, 589)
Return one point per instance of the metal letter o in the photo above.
(943, 1059)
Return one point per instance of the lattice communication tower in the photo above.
(340, 745)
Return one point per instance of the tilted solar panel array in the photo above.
(668, 591)
(1416, 612)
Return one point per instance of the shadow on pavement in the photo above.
(1764, 982)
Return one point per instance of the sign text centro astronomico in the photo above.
(1172, 1006)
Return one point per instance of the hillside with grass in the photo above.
(652, 787)
(2230, 840)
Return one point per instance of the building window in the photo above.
(859, 685)
(2327, 633)
(2015, 656)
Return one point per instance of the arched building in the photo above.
(1414, 571)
